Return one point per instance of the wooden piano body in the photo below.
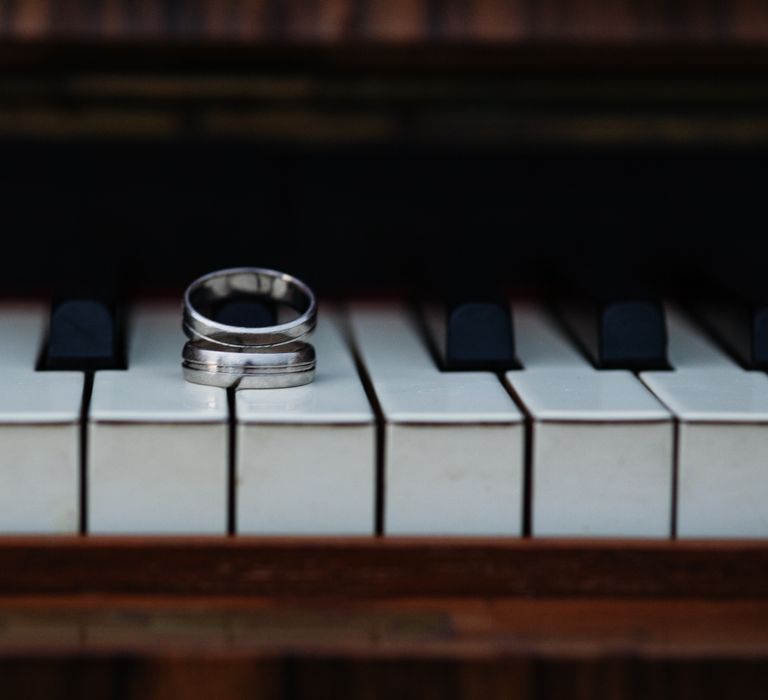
(107, 104)
(334, 617)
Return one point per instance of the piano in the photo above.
(533, 461)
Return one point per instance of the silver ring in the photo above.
(204, 293)
(278, 367)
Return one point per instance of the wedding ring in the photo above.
(240, 357)
(276, 367)
(204, 295)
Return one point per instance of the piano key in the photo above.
(601, 452)
(83, 334)
(156, 338)
(691, 349)
(453, 442)
(612, 308)
(472, 335)
(39, 431)
(306, 455)
(618, 332)
(722, 413)
(157, 445)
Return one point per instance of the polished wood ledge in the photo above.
(364, 568)
(384, 598)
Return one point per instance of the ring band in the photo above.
(287, 365)
(202, 296)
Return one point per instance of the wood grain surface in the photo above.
(367, 568)
(436, 628)
(346, 618)
(400, 21)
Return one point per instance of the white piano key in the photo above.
(155, 336)
(722, 481)
(541, 344)
(453, 453)
(601, 453)
(306, 456)
(689, 348)
(24, 328)
(39, 431)
(157, 445)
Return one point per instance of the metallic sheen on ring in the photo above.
(252, 281)
(287, 365)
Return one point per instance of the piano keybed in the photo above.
(384, 443)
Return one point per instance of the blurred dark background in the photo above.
(375, 147)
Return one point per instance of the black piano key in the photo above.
(476, 335)
(619, 333)
(732, 305)
(614, 312)
(84, 334)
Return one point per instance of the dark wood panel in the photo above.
(58, 55)
(340, 679)
(382, 568)
(427, 628)
(388, 20)
(305, 618)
